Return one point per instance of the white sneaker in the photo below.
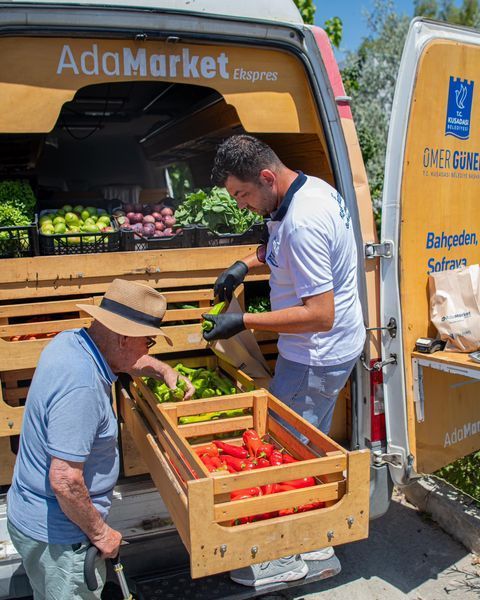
(323, 554)
(288, 568)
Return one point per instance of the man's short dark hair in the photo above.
(242, 156)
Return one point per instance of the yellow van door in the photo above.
(430, 223)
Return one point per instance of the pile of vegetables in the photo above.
(208, 383)
(150, 221)
(254, 453)
(17, 204)
(216, 210)
(259, 304)
(75, 219)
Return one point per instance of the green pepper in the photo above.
(208, 393)
(216, 310)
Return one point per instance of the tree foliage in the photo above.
(468, 13)
(307, 10)
(369, 76)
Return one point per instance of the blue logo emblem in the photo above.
(460, 95)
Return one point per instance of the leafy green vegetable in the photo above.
(17, 203)
(216, 210)
(259, 304)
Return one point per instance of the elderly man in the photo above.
(68, 460)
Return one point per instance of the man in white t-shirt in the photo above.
(316, 310)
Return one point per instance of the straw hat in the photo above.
(131, 309)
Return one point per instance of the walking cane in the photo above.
(91, 578)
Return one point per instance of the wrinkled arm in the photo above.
(68, 485)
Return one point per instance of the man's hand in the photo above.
(108, 543)
(224, 326)
(170, 376)
(229, 280)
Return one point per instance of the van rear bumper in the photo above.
(381, 488)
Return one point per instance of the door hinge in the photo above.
(379, 250)
(395, 459)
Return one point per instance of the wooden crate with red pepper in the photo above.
(245, 514)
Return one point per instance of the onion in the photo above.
(148, 219)
(157, 207)
(167, 211)
(118, 213)
(130, 216)
(138, 218)
(149, 229)
(128, 208)
(168, 231)
(157, 216)
(138, 227)
(169, 220)
(159, 226)
(158, 234)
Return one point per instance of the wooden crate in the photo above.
(40, 319)
(199, 502)
(133, 463)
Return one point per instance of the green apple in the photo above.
(71, 218)
(91, 210)
(58, 219)
(85, 215)
(91, 228)
(101, 211)
(45, 219)
(47, 228)
(67, 208)
(60, 212)
(104, 219)
(78, 209)
(60, 228)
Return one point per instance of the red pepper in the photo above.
(262, 463)
(250, 465)
(207, 461)
(230, 449)
(238, 464)
(217, 462)
(265, 450)
(276, 458)
(230, 469)
(286, 511)
(267, 489)
(264, 516)
(311, 506)
(209, 449)
(287, 458)
(300, 483)
(252, 492)
(282, 487)
(252, 441)
(242, 521)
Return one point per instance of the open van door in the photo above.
(430, 222)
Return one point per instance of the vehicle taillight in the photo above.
(377, 405)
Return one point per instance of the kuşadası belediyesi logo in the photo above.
(459, 108)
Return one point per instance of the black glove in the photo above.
(230, 279)
(224, 326)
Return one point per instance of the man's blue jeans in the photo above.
(309, 390)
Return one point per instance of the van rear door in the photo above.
(430, 222)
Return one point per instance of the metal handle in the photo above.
(89, 568)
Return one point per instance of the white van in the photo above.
(100, 98)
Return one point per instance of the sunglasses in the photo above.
(151, 341)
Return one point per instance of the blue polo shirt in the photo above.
(68, 414)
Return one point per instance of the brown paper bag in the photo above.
(243, 352)
(454, 307)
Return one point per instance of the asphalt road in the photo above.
(406, 556)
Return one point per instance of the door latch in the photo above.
(379, 250)
(391, 327)
(378, 366)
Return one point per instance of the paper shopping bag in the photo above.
(454, 307)
(243, 352)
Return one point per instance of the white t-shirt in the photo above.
(311, 251)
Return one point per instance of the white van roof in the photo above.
(278, 11)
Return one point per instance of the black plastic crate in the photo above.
(79, 243)
(19, 242)
(206, 237)
(134, 241)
